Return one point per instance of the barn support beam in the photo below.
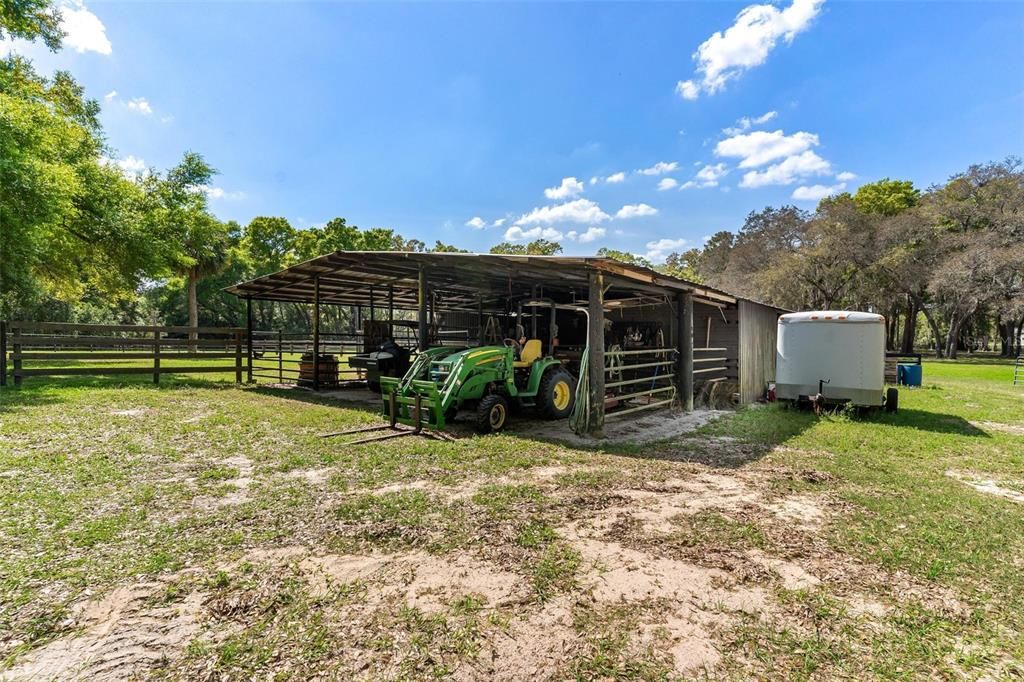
(684, 349)
(421, 298)
(595, 361)
(248, 339)
(316, 333)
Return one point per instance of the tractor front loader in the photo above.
(441, 381)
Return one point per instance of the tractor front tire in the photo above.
(491, 413)
(557, 394)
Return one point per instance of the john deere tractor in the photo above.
(488, 379)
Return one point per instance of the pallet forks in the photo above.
(394, 429)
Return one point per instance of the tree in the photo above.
(683, 265)
(887, 197)
(624, 257)
(71, 222)
(29, 20)
(539, 247)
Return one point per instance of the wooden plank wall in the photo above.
(757, 337)
(724, 333)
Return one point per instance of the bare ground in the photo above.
(665, 567)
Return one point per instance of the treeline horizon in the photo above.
(84, 241)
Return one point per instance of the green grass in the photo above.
(109, 481)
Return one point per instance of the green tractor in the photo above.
(441, 381)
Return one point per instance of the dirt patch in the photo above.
(535, 645)
(133, 412)
(119, 636)
(1012, 429)
(316, 477)
(240, 484)
(802, 510)
(792, 575)
(989, 486)
(644, 429)
(430, 583)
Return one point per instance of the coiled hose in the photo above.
(579, 420)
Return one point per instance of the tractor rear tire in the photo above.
(892, 399)
(491, 413)
(557, 394)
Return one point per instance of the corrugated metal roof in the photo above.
(464, 279)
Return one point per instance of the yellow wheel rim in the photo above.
(497, 416)
(562, 395)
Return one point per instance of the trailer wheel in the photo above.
(491, 413)
(892, 399)
(557, 394)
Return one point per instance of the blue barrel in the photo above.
(910, 375)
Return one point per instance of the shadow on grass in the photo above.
(55, 390)
(922, 420)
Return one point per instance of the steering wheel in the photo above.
(510, 343)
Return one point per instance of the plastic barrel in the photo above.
(910, 375)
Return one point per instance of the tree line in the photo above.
(82, 240)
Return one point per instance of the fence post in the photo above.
(248, 339)
(280, 358)
(156, 357)
(16, 345)
(238, 357)
(3, 353)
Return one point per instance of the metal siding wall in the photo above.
(758, 330)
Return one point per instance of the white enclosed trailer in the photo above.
(832, 356)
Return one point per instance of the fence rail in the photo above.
(48, 343)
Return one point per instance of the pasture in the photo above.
(201, 529)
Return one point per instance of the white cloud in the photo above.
(760, 147)
(746, 123)
(593, 180)
(84, 32)
(635, 211)
(499, 222)
(660, 168)
(788, 171)
(578, 211)
(658, 250)
(746, 44)
(615, 178)
(518, 234)
(846, 176)
(110, 96)
(570, 187)
(221, 193)
(587, 236)
(131, 164)
(666, 183)
(688, 90)
(817, 192)
(708, 176)
(141, 105)
(476, 222)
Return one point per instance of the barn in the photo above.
(644, 340)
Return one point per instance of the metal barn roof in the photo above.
(465, 279)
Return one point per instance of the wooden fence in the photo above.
(52, 343)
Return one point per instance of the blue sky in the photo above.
(422, 117)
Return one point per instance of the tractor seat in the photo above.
(527, 356)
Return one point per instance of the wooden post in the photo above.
(280, 357)
(684, 349)
(371, 305)
(316, 332)
(391, 311)
(156, 357)
(248, 339)
(421, 299)
(238, 357)
(533, 315)
(595, 340)
(3, 353)
(16, 355)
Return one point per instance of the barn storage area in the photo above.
(632, 339)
